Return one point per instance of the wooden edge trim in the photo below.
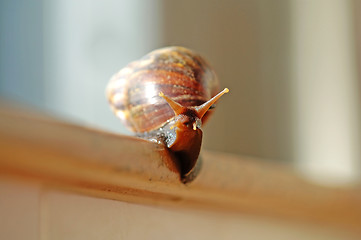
(118, 167)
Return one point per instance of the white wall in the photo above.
(325, 90)
(290, 66)
(85, 43)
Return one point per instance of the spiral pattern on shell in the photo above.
(184, 76)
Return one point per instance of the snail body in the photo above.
(165, 97)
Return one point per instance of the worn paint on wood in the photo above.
(129, 169)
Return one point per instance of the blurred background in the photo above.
(292, 67)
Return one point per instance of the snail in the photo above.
(165, 97)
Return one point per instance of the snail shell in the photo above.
(165, 96)
(178, 72)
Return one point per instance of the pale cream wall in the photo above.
(325, 90)
(292, 70)
(290, 66)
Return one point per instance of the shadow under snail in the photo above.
(165, 97)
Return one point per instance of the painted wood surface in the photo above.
(75, 158)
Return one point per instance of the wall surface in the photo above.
(291, 67)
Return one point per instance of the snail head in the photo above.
(191, 117)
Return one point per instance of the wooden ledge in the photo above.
(129, 169)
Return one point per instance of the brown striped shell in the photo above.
(181, 74)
